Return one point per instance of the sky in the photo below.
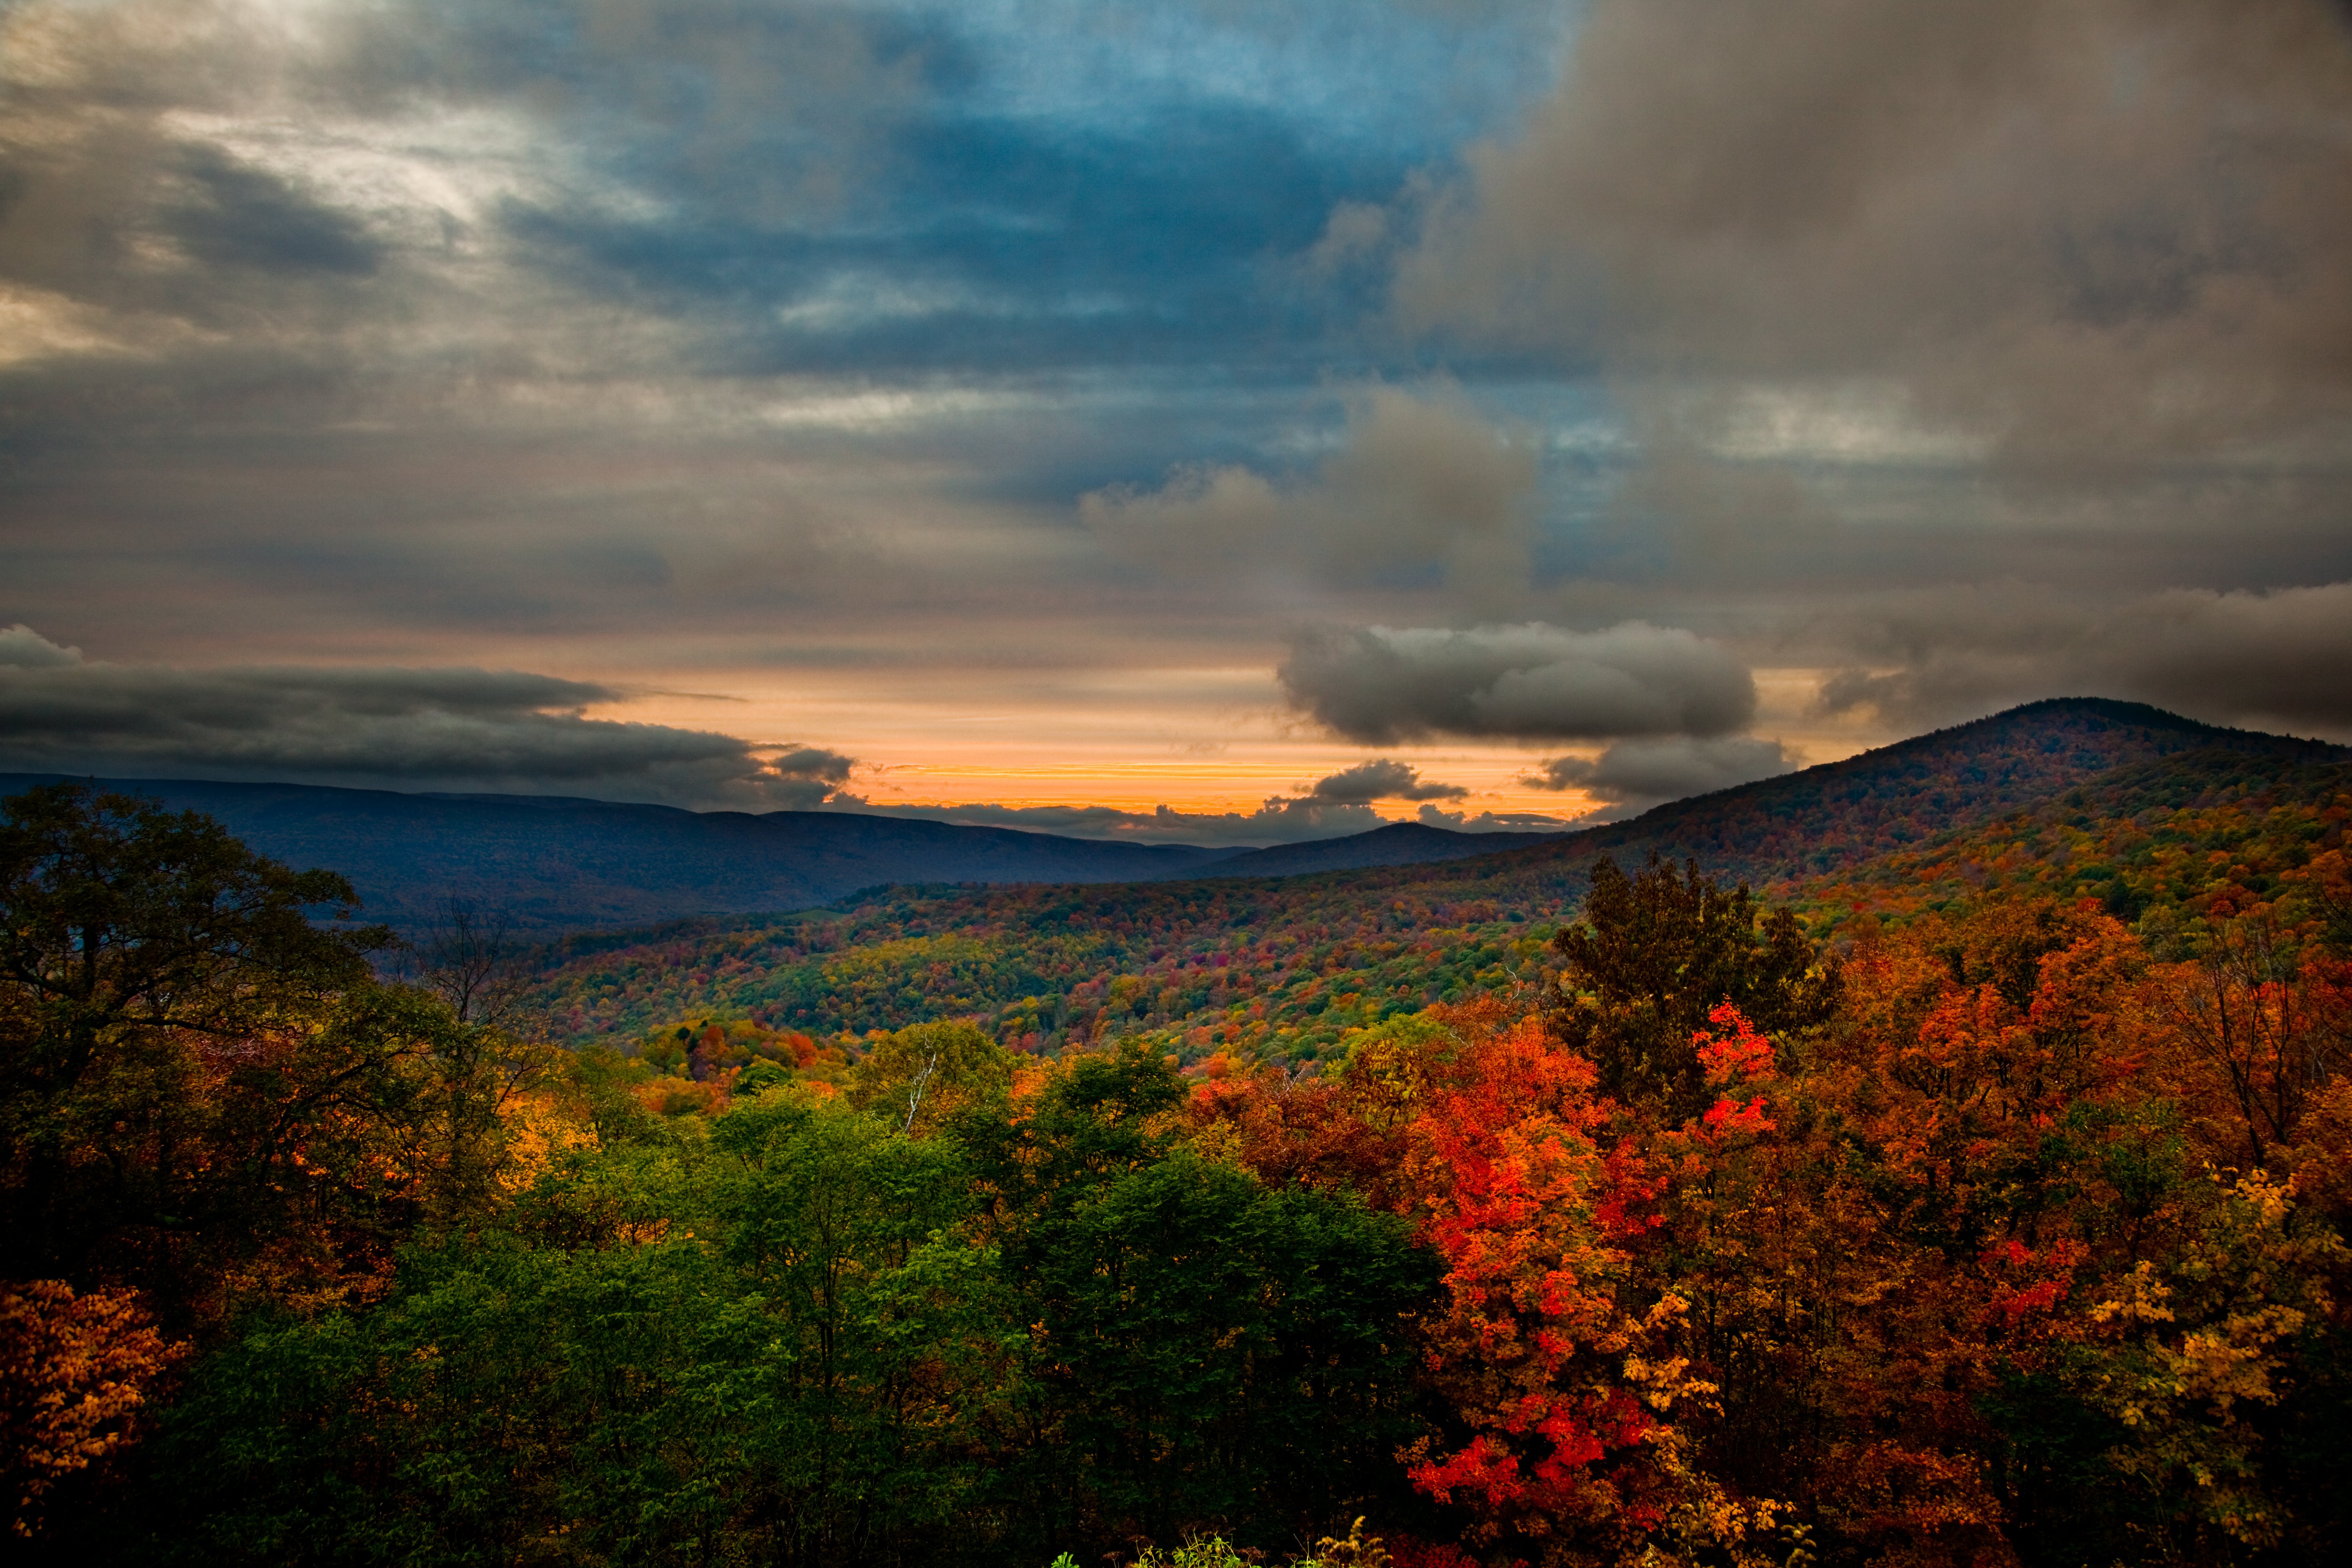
(1193, 420)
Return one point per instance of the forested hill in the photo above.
(1398, 844)
(2211, 831)
(1287, 966)
(552, 865)
(1841, 814)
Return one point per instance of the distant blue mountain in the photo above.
(556, 865)
(1398, 844)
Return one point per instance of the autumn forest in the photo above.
(1940, 1158)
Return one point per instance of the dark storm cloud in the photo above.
(242, 216)
(1380, 686)
(1000, 245)
(1383, 778)
(813, 764)
(2283, 657)
(2090, 231)
(1496, 821)
(1642, 772)
(473, 729)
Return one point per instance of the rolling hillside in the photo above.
(556, 865)
(559, 866)
(1287, 966)
(1398, 844)
(2205, 831)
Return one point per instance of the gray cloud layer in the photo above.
(2283, 657)
(1422, 484)
(147, 140)
(2089, 230)
(448, 728)
(641, 322)
(508, 731)
(1380, 686)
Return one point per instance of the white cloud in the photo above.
(22, 647)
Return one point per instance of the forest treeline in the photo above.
(1994, 1232)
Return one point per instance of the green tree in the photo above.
(146, 958)
(1652, 955)
(792, 1364)
(1219, 1353)
(918, 1076)
(900, 1336)
(197, 1082)
(1204, 1351)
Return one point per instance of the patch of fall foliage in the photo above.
(77, 1372)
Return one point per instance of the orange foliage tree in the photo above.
(77, 1372)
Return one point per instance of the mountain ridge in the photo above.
(2105, 732)
(554, 864)
(1333, 950)
(1396, 843)
(557, 867)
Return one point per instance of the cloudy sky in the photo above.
(1223, 419)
